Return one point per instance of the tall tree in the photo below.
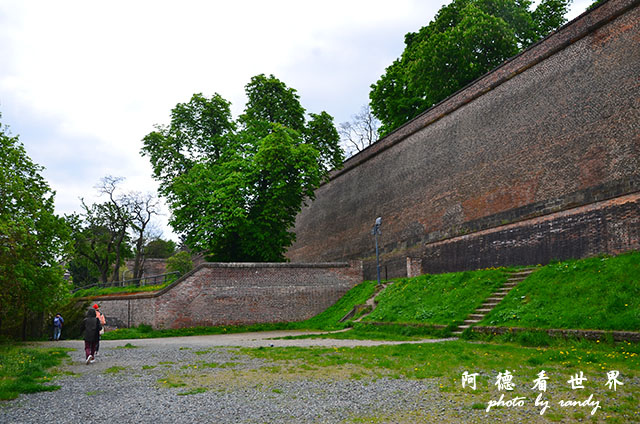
(359, 133)
(33, 239)
(142, 208)
(159, 248)
(239, 203)
(118, 211)
(100, 233)
(466, 39)
(96, 236)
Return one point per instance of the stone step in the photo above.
(515, 279)
(464, 326)
(456, 333)
(481, 309)
(519, 273)
(471, 321)
(476, 316)
(522, 275)
(494, 298)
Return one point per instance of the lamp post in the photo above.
(376, 231)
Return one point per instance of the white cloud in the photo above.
(82, 82)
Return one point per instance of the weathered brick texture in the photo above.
(236, 293)
(610, 226)
(552, 129)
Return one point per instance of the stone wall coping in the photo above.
(239, 265)
(558, 40)
(275, 265)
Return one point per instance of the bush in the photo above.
(180, 262)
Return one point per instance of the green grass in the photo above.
(99, 291)
(595, 293)
(195, 391)
(24, 370)
(449, 359)
(442, 299)
(127, 346)
(146, 332)
(364, 331)
(114, 369)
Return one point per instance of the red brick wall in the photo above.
(226, 294)
(611, 226)
(554, 128)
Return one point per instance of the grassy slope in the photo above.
(442, 299)
(594, 293)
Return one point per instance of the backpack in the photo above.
(56, 322)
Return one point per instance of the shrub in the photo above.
(180, 262)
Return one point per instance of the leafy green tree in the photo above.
(235, 188)
(97, 244)
(83, 272)
(180, 262)
(100, 233)
(33, 239)
(466, 39)
(159, 248)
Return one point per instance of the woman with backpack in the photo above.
(57, 326)
(91, 333)
(103, 321)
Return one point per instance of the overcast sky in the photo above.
(82, 82)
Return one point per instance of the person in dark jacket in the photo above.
(91, 332)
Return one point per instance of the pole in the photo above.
(377, 258)
(376, 231)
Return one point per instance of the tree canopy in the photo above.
(466, 39)
(106, 233)
(33, 239)
(235, 187)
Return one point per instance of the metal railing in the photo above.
(152, 280)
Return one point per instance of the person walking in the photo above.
(103, 321)
(58, 321)
(91, 333)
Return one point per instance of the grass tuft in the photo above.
(23, 370)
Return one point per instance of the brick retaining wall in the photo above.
(236, 293)
(552, 129)
(611, 226)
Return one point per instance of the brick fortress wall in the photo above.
(537, 160)
(236, 293)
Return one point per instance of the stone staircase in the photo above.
(515, 277)
(367, 307)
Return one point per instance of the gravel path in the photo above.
(141, 385)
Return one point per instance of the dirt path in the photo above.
(258, 339)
